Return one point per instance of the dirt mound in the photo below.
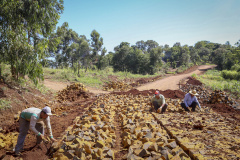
(174, 94)
(193, 81)
(189, 70)
(225, 110)
(145, 80)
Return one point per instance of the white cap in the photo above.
(47, 110)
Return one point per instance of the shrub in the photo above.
(236, 67)
(230, 75)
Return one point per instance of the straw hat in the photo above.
(193, 92)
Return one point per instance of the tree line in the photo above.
(144, 57)
(29, 41)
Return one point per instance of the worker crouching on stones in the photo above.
(32, 118)
(190, 100)
(158, 102)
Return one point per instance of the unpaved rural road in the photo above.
(173, 81)
(162, 84)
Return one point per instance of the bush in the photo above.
(230, 75)
(236, 67)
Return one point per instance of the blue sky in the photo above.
(166, 22)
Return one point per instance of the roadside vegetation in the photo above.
(93, 78)
(217, 80)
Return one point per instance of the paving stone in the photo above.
(110, 154)
(172, 145)
(144, 153)
(100, 144)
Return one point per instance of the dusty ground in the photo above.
(69, 110)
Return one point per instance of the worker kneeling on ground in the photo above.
(30, 118)
(190, 100)
(158, 102)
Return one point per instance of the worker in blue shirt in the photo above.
(190, 100)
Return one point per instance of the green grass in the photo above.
(184, 68)
(5, 104)
(92, 78)
(214, 80)
(171, 72)
(230, 75)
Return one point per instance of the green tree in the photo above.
(141, 45)
(150, 44)
(121, 52)
(220, 57)
(184, 56)
(102, 62)
(194, 57)
(204, 54)
(25, 27)
(96, 42)
(155, 59)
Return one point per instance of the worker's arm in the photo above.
(185, 100)
(197, 102)
(48, 125)
(163, 100)
(32, 125)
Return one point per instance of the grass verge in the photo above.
(214, 80)
(92, 78)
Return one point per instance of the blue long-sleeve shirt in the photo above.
(188, 100)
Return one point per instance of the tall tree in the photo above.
(25, 27)
(155, 59)
(150, 44)
(96, 42)
(141, 45)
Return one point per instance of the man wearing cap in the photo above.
(158, 101)
(190, 100)
(29, 119)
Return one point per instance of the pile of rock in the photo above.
(92, 136)
(116, 86)
(219, 96)
(72, 92)
(8, 141)
(203, 93)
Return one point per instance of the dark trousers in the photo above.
(193, 106)
(156, 106)
(23, 130)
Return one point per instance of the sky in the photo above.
(164, 21)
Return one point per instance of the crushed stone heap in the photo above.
(72, 92)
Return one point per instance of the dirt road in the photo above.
(173, 81)
(162, 84)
